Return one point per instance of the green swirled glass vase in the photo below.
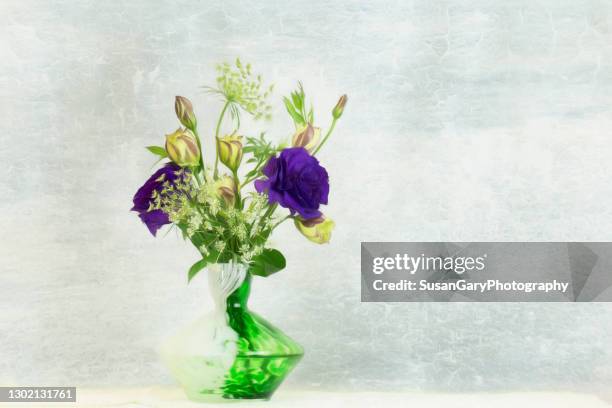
(231, 353)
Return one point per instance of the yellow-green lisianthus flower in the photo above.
(182, 148)
(307, 137)
(226, 189)
(230, 151)
(317, 230)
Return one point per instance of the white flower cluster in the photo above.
(213, 224)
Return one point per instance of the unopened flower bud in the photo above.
(226, 189)
(184, 112)
(317, 230)
(339, 108)
(307, 137)
(230, 151)
(182, 148)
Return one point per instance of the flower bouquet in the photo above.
(228, 213)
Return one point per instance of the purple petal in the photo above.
(154, 220)
(295, 180)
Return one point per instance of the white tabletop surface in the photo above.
(158, 397)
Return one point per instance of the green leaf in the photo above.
(158, 151)
(195, 268)
(252, 173)
(268, 262)
(260, 149)
(298, 102)
(297, 118)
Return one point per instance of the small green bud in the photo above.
(339, 108)
(184, 112)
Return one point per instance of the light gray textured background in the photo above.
(467, 121)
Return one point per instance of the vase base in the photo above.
(219, 399)
(250, 378)
(257, 377)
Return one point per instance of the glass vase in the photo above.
(231, 353)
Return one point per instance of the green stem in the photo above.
(266, 215)
(269, 211)
(238, 186)
(329, 132)
(217, 137)
(197, 136)
(257, 170)
(196, 176)
(280, 222)
(247, 181)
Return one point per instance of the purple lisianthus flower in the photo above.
(296, 181)
(143, 198)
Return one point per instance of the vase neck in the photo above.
(239, 298)
(229, 284)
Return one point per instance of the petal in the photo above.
(154, 220)
(309, 214)
(324, 186)
(293, 203)
(262, 185)
(270, 168)
(143, 195)
(276, 197)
